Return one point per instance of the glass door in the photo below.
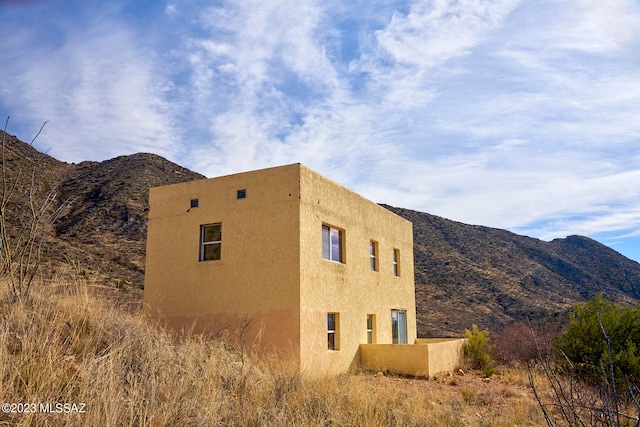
(399, 326)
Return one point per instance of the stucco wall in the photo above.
(258, 274)
(398, 359)
(350, 288)
(444, 354)
(425, 358)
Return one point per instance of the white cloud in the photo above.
(606, 25)
(434, 32)
(171, 9)
(262, 78)
(505, 113)
(409, 50)
(99, 90)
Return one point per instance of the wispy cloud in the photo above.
(504, 113)
(256, 73)
(99, 89)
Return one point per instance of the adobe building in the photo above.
(325, 275)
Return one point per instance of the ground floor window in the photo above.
(332, 331)
(371, 328)
(399, 326)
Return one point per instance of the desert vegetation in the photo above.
(477, 350)
(77, 344)
(83, 354)
(594, 369)
(589, 363)
(27, 211)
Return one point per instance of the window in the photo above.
(373, 255)
(210, 242)
(194, 203)
(242, 194)
(332, 331)
(371, 327)
(332, 243)
(396, 262)
(399, 326)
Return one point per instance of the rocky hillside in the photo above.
(106, 218)
(102, 232)
(464, 274)
(469, 274)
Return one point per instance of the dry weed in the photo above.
(67, 346)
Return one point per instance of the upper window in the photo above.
(373, 255)
(194, 203)
(396, 262)
(210, 242)
(332, 244)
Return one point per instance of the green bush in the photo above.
(601, 335)
(477, 350)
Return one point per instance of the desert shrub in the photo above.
(595, 371)
(525, 342)
(601, 342)
(477, 350)
(28, 210)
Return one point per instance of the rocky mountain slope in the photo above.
(469, 274)
(101, 234)
(107, 217)
(464, 274)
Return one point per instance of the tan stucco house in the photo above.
(324, 275)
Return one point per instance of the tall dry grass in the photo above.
(65, 345)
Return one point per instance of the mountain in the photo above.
(101, 234)
(464, 274)
(106, 218)
(467, 274)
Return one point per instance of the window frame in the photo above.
(333, 331)
(396, 314)
(204, 244)
(396, 262)
(374, 262)
(328, 251)
(371, 328)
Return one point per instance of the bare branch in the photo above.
(25, 215)
(39, 132)
(611, 371)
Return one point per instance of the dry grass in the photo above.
(67, 345)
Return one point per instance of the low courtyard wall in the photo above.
(425, 358)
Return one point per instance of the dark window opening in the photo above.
(333, 341)
(210, 242)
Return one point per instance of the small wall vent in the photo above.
(194, 203)
(242, 194)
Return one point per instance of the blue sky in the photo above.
(522, 115)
